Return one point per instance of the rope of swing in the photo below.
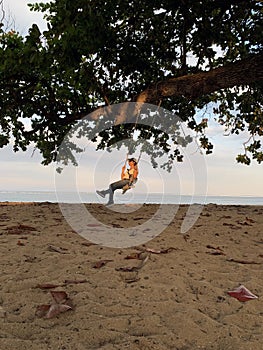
(135, 125)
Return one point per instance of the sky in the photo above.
(218, 174)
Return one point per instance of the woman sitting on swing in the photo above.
(128, 179)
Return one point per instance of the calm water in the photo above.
(129, 197)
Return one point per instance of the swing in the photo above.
(132, 184)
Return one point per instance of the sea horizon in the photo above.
(128, 198)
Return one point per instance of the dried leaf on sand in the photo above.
(101, 263)
(242, 294)
(61, 303)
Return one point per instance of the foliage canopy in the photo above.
(190, 56)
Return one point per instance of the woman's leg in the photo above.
(115, 186)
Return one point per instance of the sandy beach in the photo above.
(168, 293)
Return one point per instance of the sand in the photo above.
(173, 296)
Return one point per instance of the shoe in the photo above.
(100, 193)
(109, 203)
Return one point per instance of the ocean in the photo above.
(129, 197)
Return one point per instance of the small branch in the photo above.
(2, 10)
(243, 261)
(246, 142)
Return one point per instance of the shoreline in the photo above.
(129, 197)
(125, 204)
(167, 293)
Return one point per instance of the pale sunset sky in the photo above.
(22, 171)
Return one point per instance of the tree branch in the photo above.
(240, 73)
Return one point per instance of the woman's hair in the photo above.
(132, 160)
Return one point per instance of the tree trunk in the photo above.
(240, 73)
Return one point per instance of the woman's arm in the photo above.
(136, 172)
(123, 171)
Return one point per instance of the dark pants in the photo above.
(115, 186)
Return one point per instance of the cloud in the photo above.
(19, 16)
